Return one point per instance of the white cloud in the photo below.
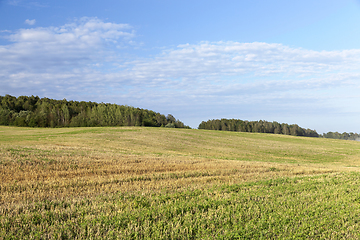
(220, 68)
(52, 49)
(231, 58)
(30, 22)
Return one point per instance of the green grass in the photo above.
(194, 143)
(322, 207)
(158, 183)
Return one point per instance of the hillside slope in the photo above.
(85, 182)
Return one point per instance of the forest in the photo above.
(271, 127)
(33, 111)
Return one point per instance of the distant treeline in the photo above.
(44, 112)
(257, 127)
(270, 127)
(344, 135)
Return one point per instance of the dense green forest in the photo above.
(44, 112)
(270, 127)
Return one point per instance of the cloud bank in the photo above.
(86, 60)
(58, 57)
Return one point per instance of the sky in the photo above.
(295, 62)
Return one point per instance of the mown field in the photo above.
(159, 183)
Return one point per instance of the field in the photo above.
(160, 183)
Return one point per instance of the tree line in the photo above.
(344, 135)
(33, 111)
(257, 127)
(270, 127)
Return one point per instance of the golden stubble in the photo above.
(32, 179)
(54, 165)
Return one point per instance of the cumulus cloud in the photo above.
(30, 22)
(54, 49)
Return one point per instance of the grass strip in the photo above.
(325, 207)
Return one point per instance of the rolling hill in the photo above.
(146, 183)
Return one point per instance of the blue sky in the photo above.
(286, 61)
